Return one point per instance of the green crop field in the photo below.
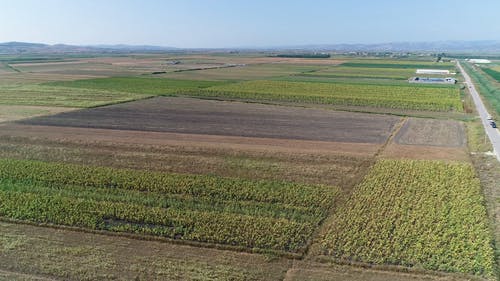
(493, 73)
(487, 88)
(422, 214)
(363, 72)
(42, 95)
(93, 92)
(266, 215)
(407, 97)
(138, 85)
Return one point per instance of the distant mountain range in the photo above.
(490, 47)
(23, 47)
(442, 46)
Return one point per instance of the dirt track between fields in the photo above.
(236, 119)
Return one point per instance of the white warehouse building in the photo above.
(433, 71)
(479, 61)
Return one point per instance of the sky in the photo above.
(246, 23)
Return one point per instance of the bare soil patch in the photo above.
(210, 141)
(432, 132)
(194, 116)
(423, 152)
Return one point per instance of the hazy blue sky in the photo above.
(236, 23)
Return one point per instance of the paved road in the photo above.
(493, 134)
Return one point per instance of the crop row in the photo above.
(415, 213)
(402, 97)
(252, 214)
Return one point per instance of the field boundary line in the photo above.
(397, 268)
(391, 137)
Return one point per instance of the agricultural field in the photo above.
(360, 72)
(432, 132)
(56, 254)
(114, 66)
(420, 214)
(207, 117)
(246, 72)
(41, 95)
(487, 86)
(222, 166)
(493, 72)
(249, 214)
(429, 139)
(146, 86)
(398, 64)
(267, 161)
(408, 97)
(5, 68)
(11, 113)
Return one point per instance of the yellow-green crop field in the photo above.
(422, 214)
(401, 97)
(246, 214)
(363, 72)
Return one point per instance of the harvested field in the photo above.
(39, 253)
(247, 72)
(429, 139)
(23, 78)
(315, 271)
(16, 112)
(422, 152)
(431, 132)
(40, 95)
(192, 116)
(192, 158)
(211, 141)
(73, 68)
(53, 255)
